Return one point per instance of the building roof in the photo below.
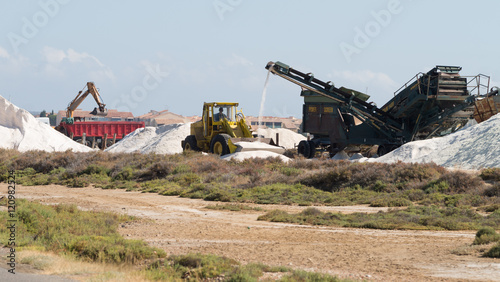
(112, 113)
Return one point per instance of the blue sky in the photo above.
(175, 55)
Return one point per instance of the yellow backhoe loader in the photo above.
(221, 127)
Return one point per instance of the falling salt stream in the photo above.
(262, 102)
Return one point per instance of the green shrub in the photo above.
(194, 267)
(112, 248)
(96, 169)
(232, 207)
(493, 191)
(276, 216)
(437, 186)
(187, 179)
(181, 168)
(491, 208)
(391, 201)
(417, 218)
(62, 228)
(485, 236)
(490, 174)
(311, 212)
(126, 173)
(156, 170)
(460, 182)
(415, 194)
(300, 275)
(290, 171)
(493, 252)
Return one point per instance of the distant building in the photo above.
(45, 120)
(158, 118)
(113, 115)
(290, 123)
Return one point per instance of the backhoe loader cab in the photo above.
(221, 126)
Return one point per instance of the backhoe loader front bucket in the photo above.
(97, 112)
(256, 144)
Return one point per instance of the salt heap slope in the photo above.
(165, 139)
(475, 147)
(21, 131)
(240, 156)
(287, 138)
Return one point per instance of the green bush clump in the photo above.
(88, 235)
(126, 173)
(201, 267)
(417, 218)
(485, 236)
(490, 174)
(491, 208)
(493, 191)
(300, 275)
(192, 267)
(232, 207)
(493, 252)
(111, 248)
(460, 182)
(96, 169)
(391, 201)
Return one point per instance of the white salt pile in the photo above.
(287, 138)
(21, 131)
(164, 139)
(258, 146)
(474, 147)
(240, 156)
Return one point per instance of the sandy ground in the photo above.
(181, 226)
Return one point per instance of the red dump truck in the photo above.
(93, 133)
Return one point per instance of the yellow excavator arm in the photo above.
(91, 89)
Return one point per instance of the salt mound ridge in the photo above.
(240, 156)
(474, 147)
(287, 138)
(21, 131)
(165, 139)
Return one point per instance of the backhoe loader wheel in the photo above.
(190, 143)
(304, 149)
(219, 145)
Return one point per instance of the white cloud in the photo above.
(4, 53)
(380, 86)
(12, 64)
(52, 55)
(59, 62)
(365, 77)
(236, 60)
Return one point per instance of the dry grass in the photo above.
(67, 266)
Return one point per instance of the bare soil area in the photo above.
(181, 226)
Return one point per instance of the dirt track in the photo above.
(184, 225)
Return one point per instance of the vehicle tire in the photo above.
(304, 149)
(312, 149)
(382, 150)
(109, 143)
(219, 145)
(190, 144)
